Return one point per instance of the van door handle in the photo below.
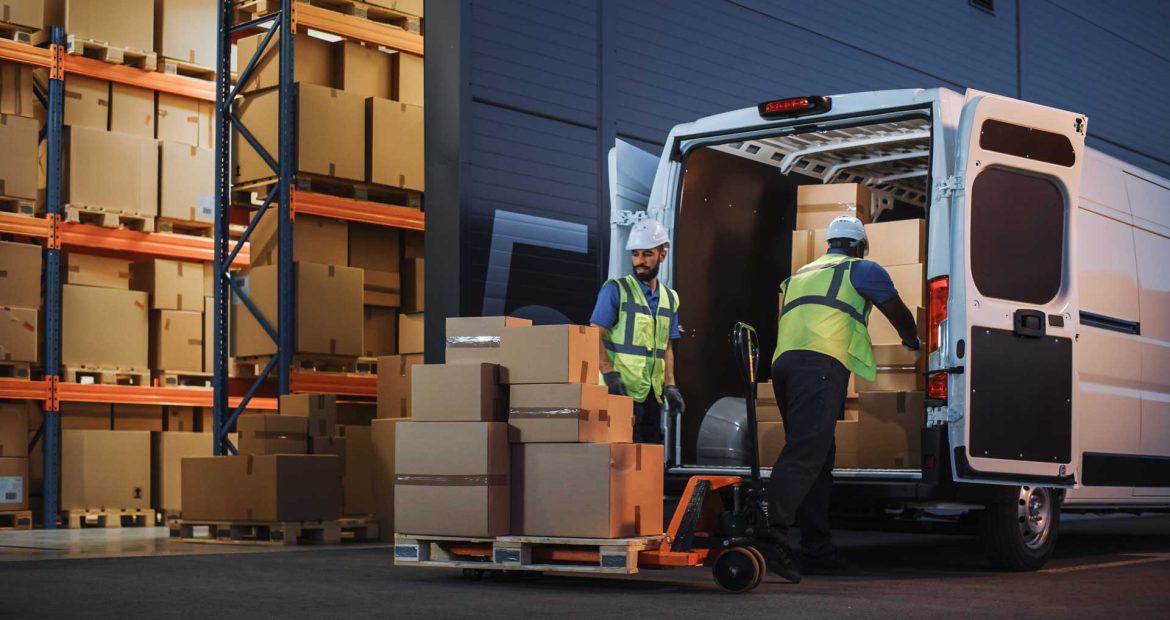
(1029, 323)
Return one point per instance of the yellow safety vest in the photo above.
(636, 345)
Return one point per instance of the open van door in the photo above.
(1013, 308)
(631, 181)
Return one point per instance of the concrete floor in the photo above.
(1115, 567)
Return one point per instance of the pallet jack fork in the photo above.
(722, 519)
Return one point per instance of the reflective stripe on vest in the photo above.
(637, 349)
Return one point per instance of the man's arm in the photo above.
(900, 317)
(669, 379)
(605, 365)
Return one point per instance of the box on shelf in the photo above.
(273, 434)
(382, 288)
(185, 120)
(14, 483)
(185, 30)
(476, 339)
(890, 429)
(549, 354)
(273, 487)
(109, 171)
(87, 102)
(27, 13)
(105, 470)
(91, 270)
(314, 61)
(356, 414)
(363, 69)
(357, 484)
(382, 438)
(138, 417)
(408, 79)
(180, 419)
(104, 327)
(413, 244)
(451, 478)
(457, 393)
(14, 429)
(394, 139)
(172, 284)
(588, 490)
(18, 335)
(121, 23)
(413, 280)
(87, 416)
(20, 275)
(18, 158)
(16, 90)
(897, 243)
(209, 334)
(186, 189)
(817, 205)
(410, 333)
(330, 445)
(132, 110)
(319, 409)
(319, 240)
(374, 248)
(395, 375)
(379, 330)
(176, 341)
(569, 413)
(167, 453)
(410, 7)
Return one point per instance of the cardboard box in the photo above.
(331, 446)
(167, 453)
(897, 243)
(320, 409)
(451, 478)
(186, 189)
(14, 483)
(14, 429)
(27, 13)
(110, 171)
(185, 30)
(568, 412)
(179, 419)
(336, 148)
(549, 354)
(908, 280)
(123, 23)
(767, 409)
(132, 110)
(847, 438)
(357, 414)
(273, 434)
(457, 393)
(209, 334)
(408, 79)
(20, 275)
(183, 120)
(410, 333)
(319, 240)
(138, 417)
(274, 487)
(105, 470)
(587, 490)
(413, 280)
(395, 375)
(87, 103)
(890, 429)
(357, 485)
(104, 327)
(329, 311)
(476, 339)
(103, 271)
(413, 244)
(18, 158)
(362, 70)
(807, 246)
(16, 89)
(379, 330)
(18, 335)
(383, 434)
(208, 280)
(412, 7)
(817, 205)
(87, 416)
(394, 139)
(172, 284)
(374, 248)
(770, 435)
(382, 288)
(176, 341)
(314, 61)
(893, 379)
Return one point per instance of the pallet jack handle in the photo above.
(747, 354)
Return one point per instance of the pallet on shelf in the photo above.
(16, 520)
(185, 227)
(524, 553)
(176, 378)
(178, 67)
(19, 206)
(82, 214)
(388, 17)
(15, 370)
(107, 518)
(113, 54)
(254, 192)
(274, 533)
(366, 366)
(250, 367)
(102, 375)
(167, 517)
(17, 33)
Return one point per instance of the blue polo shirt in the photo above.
(871, 280)
(605, 313)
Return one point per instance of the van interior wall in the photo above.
(733, 248)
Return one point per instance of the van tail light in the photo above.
(936, 312)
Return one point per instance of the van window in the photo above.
(1026, 142)
(1017, 236)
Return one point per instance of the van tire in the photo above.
(1019, 532)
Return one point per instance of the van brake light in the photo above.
(936, 312)
(795, 106)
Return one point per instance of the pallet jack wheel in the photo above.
(737, 570)
(763, 563)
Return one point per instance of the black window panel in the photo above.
(1017, 236)
(1026, 142)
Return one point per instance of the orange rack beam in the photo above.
(153, 80)
(325, 383)
(355, 28)
(336, 207)
(148, 395)
(185, 247)
(25, 226)
(24, 389)
(24, 53)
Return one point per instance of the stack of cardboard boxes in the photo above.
(104, 323)
(14, 465)
(18, 134)
(20, 303)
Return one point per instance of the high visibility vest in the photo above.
(636, 345)
(823, 312)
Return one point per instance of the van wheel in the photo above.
(1020, 533)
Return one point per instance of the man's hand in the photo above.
(914, 346)
(613, 381)
(674, 398)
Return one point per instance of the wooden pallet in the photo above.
(19, 206)
(15, 370)
(81, 214)
(16, 520)
(185, 227)
(105, 376)
(366, 366)
(250, 367)
(19, 34)
(167, 517)
(172, 378)
(129, 517)
(255, 191)
(358, 528)
(178, 67)
(524, 553)
(257, 532)
(114, 54)
(251, 9)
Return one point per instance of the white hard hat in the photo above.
(646, 235)
(846, 227)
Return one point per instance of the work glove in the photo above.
(914, 346)
(613, 381)
(674, 398)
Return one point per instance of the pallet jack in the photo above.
(723, 519)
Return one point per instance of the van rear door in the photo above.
(1013, 309)
(632, 174)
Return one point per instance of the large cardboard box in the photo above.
(186, 189)
(20, 275)
(105, 470)
(330, 445)
(168, 450)
(768, 410)
(103, 271)
(410, 333)
(138, 417)
(568, 412)
(27, 13)
(847, 438)
(185, 30)
(319, 409)
(176, 341)
(18, 335)
(457, 393)
(408, 79)
(14, 429)
(817, 205)
(336, 148)
(410, 7)
(209, 334)
(183, 120)
(588, 490)
(413, 245)
(413, 280)
(16, 90)
(274, 487)
(273, 434)
(374, 248)
(382, 438)
(329, 311)
(771, 438)
(908, 280)
(104, 327)
(897, 243)
(394, 137)
(890, 429)
(122, 23)
(87, 102)
(172, 284)
(315, 240)
(132, 110)
(382, 288)
(314, 61)
(476, 339)
(18, 158)
(356, 414)
(549, 354)
(903, 378)
(180, 419)
(357, 484)
(379, 330)
(363, 69)
(110, 171)
(807, 246)
(14, 483)
(395, 375)
(451, 478)
(87, 416)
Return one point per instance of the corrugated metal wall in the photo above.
(552, 84)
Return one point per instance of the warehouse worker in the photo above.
(823, 336)
(638, 319)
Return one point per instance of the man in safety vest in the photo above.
(638, 319)
(823, 336)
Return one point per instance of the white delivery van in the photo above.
(1048, 294)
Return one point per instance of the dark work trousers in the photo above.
(810, 389)
(648, 420)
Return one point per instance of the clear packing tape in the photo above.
(473, 342)
(490, 480)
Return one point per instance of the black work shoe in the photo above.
(781, 560)
(830, 563)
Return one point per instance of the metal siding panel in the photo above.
(1143, 22)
